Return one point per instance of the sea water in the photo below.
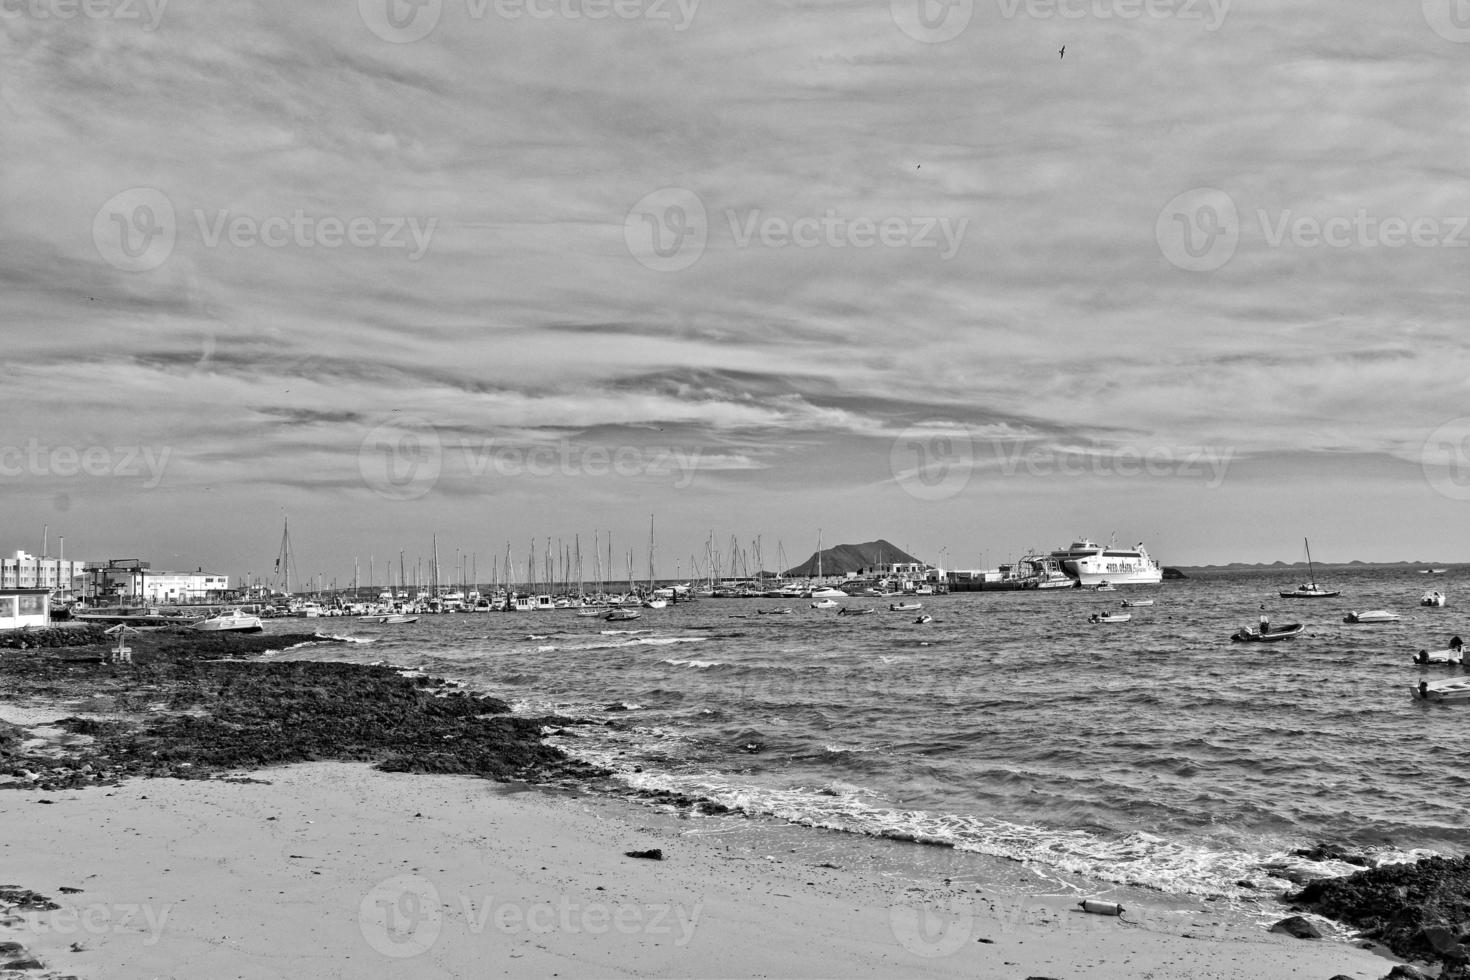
(1155, 752)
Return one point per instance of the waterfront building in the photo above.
(130, 580)
(25, 571)
(20, 608)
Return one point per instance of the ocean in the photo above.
(1153, 753)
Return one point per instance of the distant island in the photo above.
(852, 558)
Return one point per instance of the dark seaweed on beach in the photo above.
(192, 715)
(1419, 911)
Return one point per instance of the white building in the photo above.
(139, 583)
(24, 607)
(30, 572)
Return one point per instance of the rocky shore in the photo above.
(193, 705)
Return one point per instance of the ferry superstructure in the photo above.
(1091, 563)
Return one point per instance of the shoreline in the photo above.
(978, 894)
(335, 869)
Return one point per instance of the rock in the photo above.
(1406, 972)
(652, 854)
(30, 963)
(1440, 938)
(1342, 976)
(1299, 927)
(1324, 851)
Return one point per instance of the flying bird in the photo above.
(1062, 52)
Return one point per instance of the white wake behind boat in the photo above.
(1372, 616)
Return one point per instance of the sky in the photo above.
(974, 276)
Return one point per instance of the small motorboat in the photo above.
(233, 621)
(590, 611)
(905, 606)
(1372, 616)
(1105, 586)
(1270, 635)
(825, 604)
(1454, 654)
(621, 615)
(1450, 689)
(1108, 617)
(776, 612)
(1432, 598)
(926, 618)
(853, 611)
(1131, 603)
(398, 618)
(655, 603)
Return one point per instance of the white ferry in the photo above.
(1091, 564)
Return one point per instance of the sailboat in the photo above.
(821, 591)
(653, 601)
(1310, 589)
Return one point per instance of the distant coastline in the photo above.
(1283, 566)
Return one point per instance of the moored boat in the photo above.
(1131, 603)
(1109, 617)
(1270, 635)
(1310, 589)
(1449, 689)
(1371, 616)
(905, 606)
(1094, 564)
(854, 611)
(621, 615)
(1453, 654)
(825, 604)
(1432, 598)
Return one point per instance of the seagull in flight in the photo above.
(1062, 52)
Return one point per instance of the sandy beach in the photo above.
(337, 870)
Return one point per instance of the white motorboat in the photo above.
(621, 615)
(1105, 586)
(1449, 689)
(1270, 634)
(655, 603)
(398, 618)
(1432, 598)
(232, 621)
(905, 606)
(825, 604)
(1109, 617)
(926, 618)
(1372, 616)
(1130, 603)
(1093, 564)
(827, 593)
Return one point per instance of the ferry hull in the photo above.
(1087, 573)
